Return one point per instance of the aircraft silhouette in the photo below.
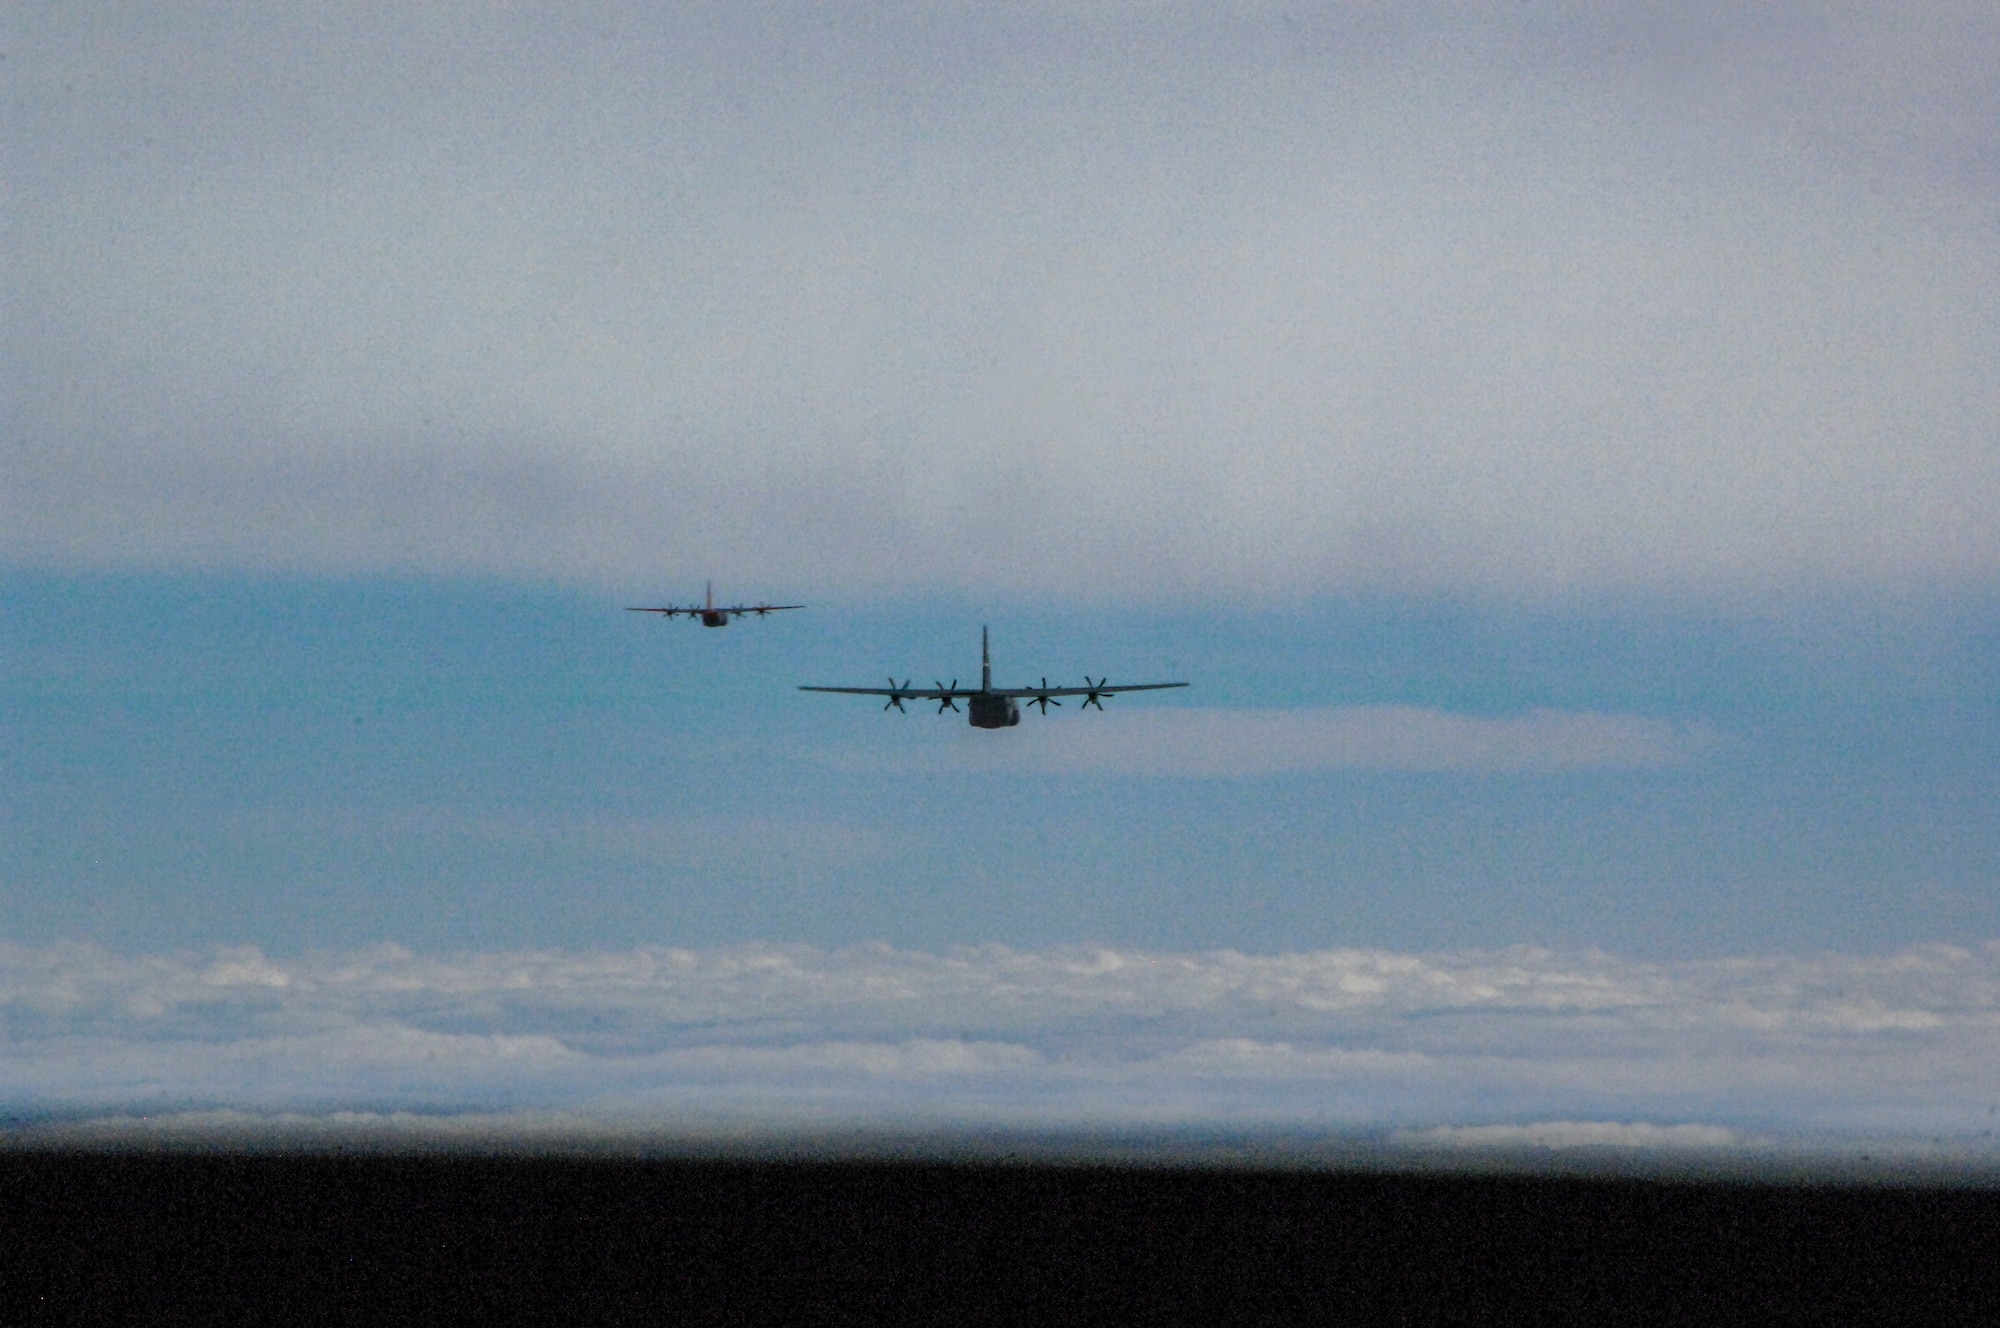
(993, 707)
(713, 614)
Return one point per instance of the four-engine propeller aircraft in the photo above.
(996, 707)
(716, 615)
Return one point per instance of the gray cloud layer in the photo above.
(1190, 741)
(1468, 1049)
(1155, 299)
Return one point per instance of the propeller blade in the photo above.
(945, 702)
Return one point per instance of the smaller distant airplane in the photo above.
(996, 707)
(713, 614)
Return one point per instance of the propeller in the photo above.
(1091, 698)
(1045, 700)
(945, 702)
(761, 610)
(896, 694)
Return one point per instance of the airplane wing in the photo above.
(907, 693)
(759, 609)
(670, 610)
(1086, 691)
(941, 693)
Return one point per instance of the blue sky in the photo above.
(1560, 443)
(300, 763)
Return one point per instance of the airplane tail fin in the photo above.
(985, 664)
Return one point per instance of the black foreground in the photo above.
(169, 1237)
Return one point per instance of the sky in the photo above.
(1560, 445)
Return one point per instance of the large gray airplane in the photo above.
(995, 707)
(713, 614)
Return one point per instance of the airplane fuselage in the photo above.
(993, 712)
(714, 619)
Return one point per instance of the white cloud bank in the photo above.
(1508, 1049)
(1189, 741)
(1577, 1134)
(1171, 300)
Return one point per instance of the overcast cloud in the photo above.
(1458, 1049)
(1109, 299)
